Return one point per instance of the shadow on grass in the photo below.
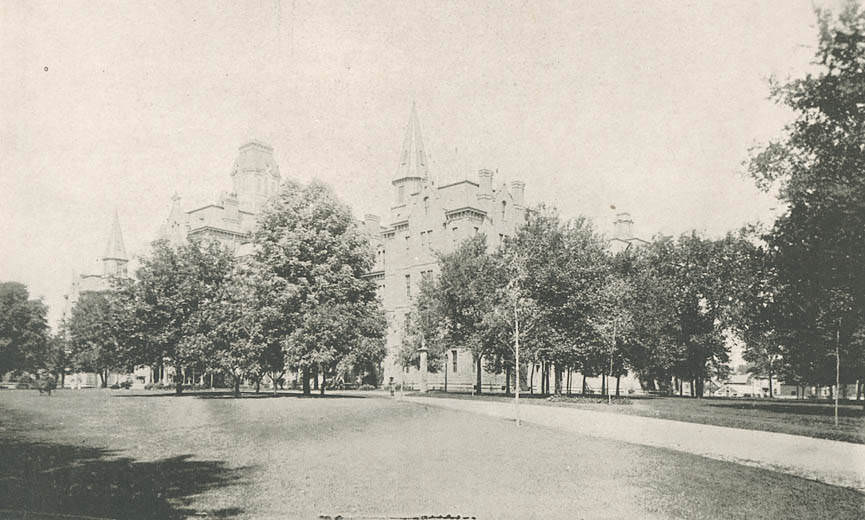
(244, 395)
(44, 479)
(793, 409)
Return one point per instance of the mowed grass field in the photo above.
(796, 417)
(115, 454)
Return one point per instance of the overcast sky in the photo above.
(650, 106)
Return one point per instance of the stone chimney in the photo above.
(518, 192)
(624, 226)
(231, 206)
(485, 183)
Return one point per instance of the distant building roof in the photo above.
(114, 248)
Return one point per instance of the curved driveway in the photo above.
(833, 462)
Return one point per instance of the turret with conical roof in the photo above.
(413, 169)
(114, 260)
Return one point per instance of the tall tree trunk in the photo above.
(547, 376)
(508, 380)
(273, 380)
(771, 394)
(315, 378)
(557, 379)
(618, 380)
(236, 386)
(545, 379)
(603, 383)
(532, 380)
(323, 380)
(692, 388)
(568, 388)
(178, 380)
(305, 379)
(584, 384)
(480, 371)
(257, 384)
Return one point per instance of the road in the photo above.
(833, 462)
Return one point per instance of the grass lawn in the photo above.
(809, 418)
(115, 454)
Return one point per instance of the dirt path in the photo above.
(832, 462)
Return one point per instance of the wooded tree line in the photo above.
(298, 302)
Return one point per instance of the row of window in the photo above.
(425, 276)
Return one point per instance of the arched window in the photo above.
(426, 206)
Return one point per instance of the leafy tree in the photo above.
(232, 340)
(315, 257)
(23, 328)
(680, 304)
(816, 167)
(424, 328)
(466, 287)
(173, 288)
(94, 335)
(565, 266)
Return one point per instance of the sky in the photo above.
(649, 106)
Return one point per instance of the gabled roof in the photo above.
(114, 249)
(412, 157)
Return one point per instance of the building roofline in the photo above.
(459, 182)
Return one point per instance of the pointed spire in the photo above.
(114, 249)
(412, 157)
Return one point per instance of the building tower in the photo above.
(255, 176)
(114, 260)
(413, 169)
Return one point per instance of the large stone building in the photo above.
(232, 218)
(424, 219)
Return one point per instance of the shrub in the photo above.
(115, 386)
(126, 385)
(366, 387)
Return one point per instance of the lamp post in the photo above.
(447, 360)
(610, 377)
(422, 354)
